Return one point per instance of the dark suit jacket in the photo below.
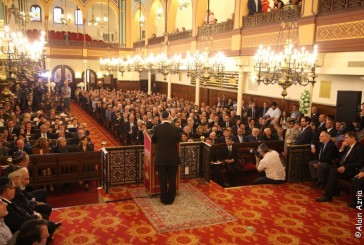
(305, 137)
(166, 137)
(27, 150)
(244, 139)
(256, 113)
(329, 154)
(315, 119)
(251, 138)
(226, 154)
(49, 136)
(252, 7)
(355, 159)
(16, 216)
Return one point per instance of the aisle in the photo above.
(97, 132)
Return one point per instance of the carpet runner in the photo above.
(97, 132)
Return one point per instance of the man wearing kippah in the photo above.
(166, 137)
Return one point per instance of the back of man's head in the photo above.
(32, 232)
(263, 147)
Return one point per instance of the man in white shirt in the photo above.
(272, 166)
(273, 112)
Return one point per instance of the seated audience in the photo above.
(320, 167)
(16, 214)
(254, 137)
(61, 146)
(306, 135)
(351, 159)
(20, 146)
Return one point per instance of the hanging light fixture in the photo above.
(286, 64)
(183, 4)
(93, 21)
(65, 19)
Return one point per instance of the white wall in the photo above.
(222, 9)
(184, 18)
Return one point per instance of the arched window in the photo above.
(78, 17)
(35, 13)
(57, 15)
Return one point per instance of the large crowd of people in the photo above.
(131, 112)
(48, 126)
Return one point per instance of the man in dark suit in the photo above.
(254, 7)
(166, 137)
(229, 154)
(320, 167)
(352, 158)
(306, 134)
(20, 146)
(44, 132)
(253, 111)
(255, 136)
(315, 115)
(17, 215)
(12, 130)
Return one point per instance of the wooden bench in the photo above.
(63, 168)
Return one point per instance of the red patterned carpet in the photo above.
(283, 214)
(97, 132)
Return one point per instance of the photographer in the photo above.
(271, 164)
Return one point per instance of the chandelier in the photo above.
(200, 65)
(183, 4)
(65, 19)
(25, 58)
(286, 64)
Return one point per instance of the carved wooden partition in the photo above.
(298, 157)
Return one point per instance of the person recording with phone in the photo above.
(269, 162)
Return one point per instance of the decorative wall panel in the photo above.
(68, 52)
(347, 30)
(268, 39)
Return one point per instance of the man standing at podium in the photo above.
(166, 137)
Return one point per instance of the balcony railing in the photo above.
(179, 35)
(339, 6)
(139, 44)
(77, 43)
(156, 40)
(289, 13)
(208, 30)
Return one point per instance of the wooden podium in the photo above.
(151, 181)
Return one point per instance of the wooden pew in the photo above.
(63, 168)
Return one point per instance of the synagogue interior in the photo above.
(265, 97)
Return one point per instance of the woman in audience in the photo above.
(84, 144)
(61, 146)
(5, 136)
(42, 146)
(283, 120)
(29, 130)
(278, 5)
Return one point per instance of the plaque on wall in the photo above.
(325, 89)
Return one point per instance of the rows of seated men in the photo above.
(44, 131)
(132, 111)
